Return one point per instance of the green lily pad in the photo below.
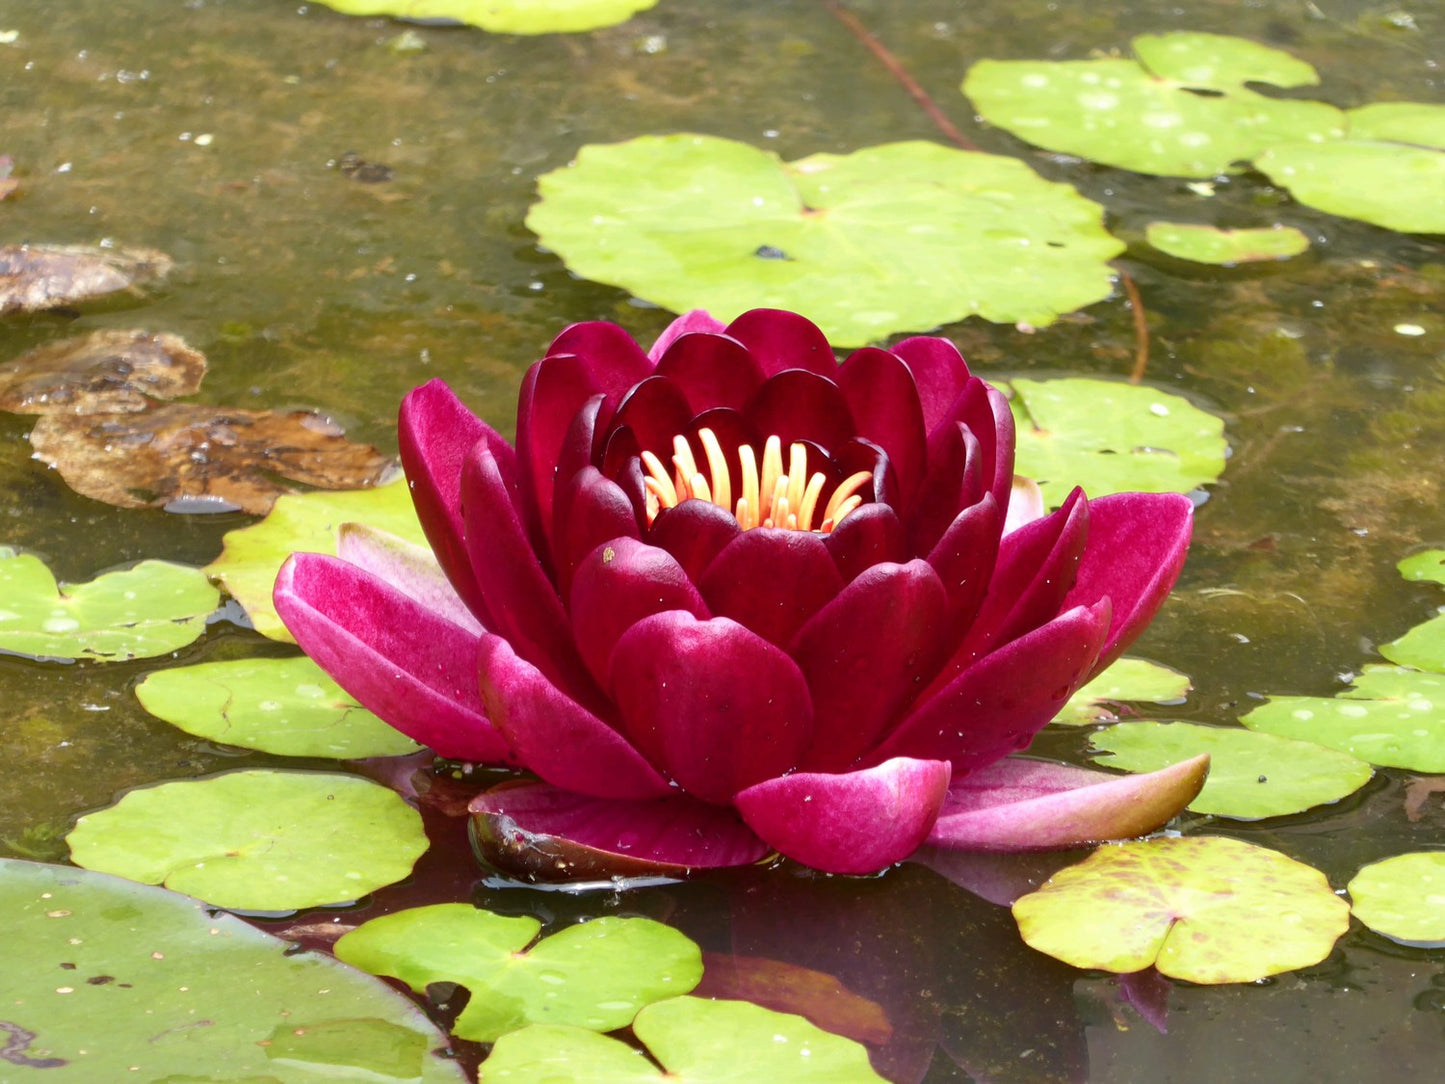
(1422, 647)
(1429, 565)
(1125, 679)
(1393, 717)
(106, 979)
(150, 609)
(1203, 909)
(506, 16)
(694, 1040)
(1403, 898)
(898, 237)
(593, 975)
(1110, 437)
(1251, 775)
(1393, 185)
(284, 706)
(256, 840)
(1225, 248)
(253, 555)
(1182, 109)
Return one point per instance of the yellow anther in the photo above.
(810, 502)
(772, 469)
(748, 503)
(797, 474)
(658, 482)
(717, 468)
(850, 485)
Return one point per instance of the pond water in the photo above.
(215, 130)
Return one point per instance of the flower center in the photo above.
(771, 497)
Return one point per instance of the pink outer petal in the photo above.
(698, 320)
(866, 537)
(555, 736)
(413, 668)
(551, 834)
(554, 391)
(1022, 805)
(856, 822)
(590, 509)
(411, 569)
(780, 340)
(1137, 546)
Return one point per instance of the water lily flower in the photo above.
(728, 597)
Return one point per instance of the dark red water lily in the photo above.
(730, 597)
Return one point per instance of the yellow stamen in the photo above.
(717, 468)
(797, 474)
(772, 469)
(810, 502)
(748, 503)
(658, 482)
(844, 492)
(698, 488)
(685, 465)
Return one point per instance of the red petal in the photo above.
(869, 536)
(554, 391)
(796, 405)
(771, 580)
(780, 340)
(938, 370)
(409, 568)
(698, 320)
(613, 359)
(711, 371)
(590, 510)
(964, 559)
(884, 402)
(694, 532)
(656, 411)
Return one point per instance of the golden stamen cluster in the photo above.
(772, 497)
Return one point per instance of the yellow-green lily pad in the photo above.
(1393, 716)
(1422, 647)
(1127, 679)
(1251, 775)
(505, 16)
(289, 707)
(694, 1040)
(1204, 909)
(1225, 248)
(1429, 565)
(593, 975)
(1110, 437)
(897, 237)
(1403, 898)
(110, 980)
(256, 840)
(150, 609)
(253, 555)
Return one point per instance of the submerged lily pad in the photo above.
(593, 975)
(1403, 898)
(694, 1040)
(1429, 565)
(191, 457)
(108, 980)
(1182, 109)
(1225, 248)
(1251, 775)
(35, 277)
(310, 522)
(1125, 679)
(1203, 909)
(256, 840)
(898, 237)
(111, 371)
(1422, 647)
(1393, 717)
(150, 609)
(285, 706)
(505, 16)
(1110, 437)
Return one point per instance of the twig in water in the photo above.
(1141, 328)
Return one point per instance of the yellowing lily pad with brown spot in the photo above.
(1225, 248)
(112, 371)
(1204, 909)
(36, 277)
(191, 457)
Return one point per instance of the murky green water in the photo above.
(211, 129)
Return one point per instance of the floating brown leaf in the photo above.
(8, 184)
(113, 371)
(194, 458)
(35, 277)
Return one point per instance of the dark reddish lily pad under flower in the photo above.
(191, 457)
(36, 277)
(736, 597)
(111, 371)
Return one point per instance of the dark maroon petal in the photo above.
(590, 510)
(964, 560)
(696, 320)
(870, 535)
(797, 405)
(655, 411)
(544, 833)
(884, 402)
(580, 445)
(719, 708)
(1037, 567)
(996, 706)
(524, 604)
(861, 454)
(553, 391)
(711, 371)
(401, 661)
(617, 585)
(556, 737)
(435, 433)
(1021, 805)
(694, 532)
(780, 340)
(938, 370)
(856, 822)
(865, 656)
(1003, 448)
(955, 481)
(771, 580)
(613, 359)
(1137, 546)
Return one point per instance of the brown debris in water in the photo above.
(36, 277)
(112, 371)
